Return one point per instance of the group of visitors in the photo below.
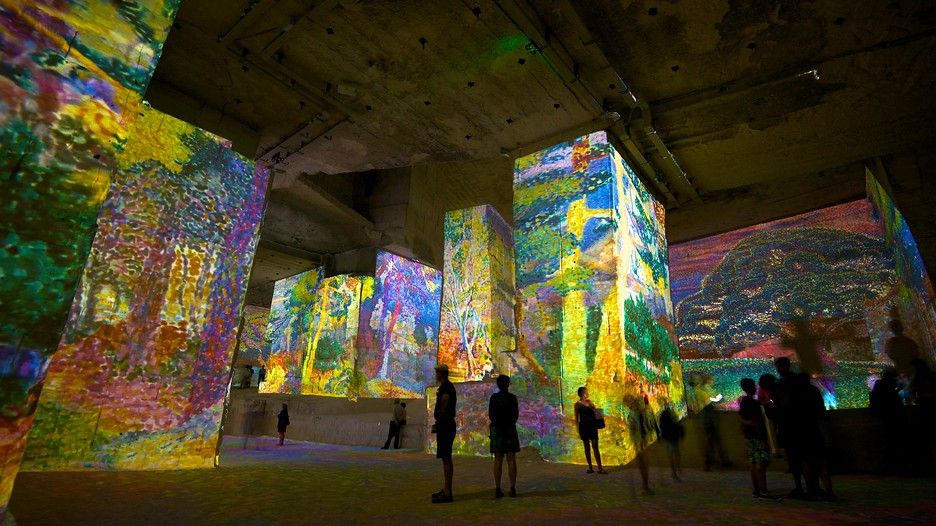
(780, 415)
(504, 411)
(789, 413)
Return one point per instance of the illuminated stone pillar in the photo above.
(477, 294)
(593, 289)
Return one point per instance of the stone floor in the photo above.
(304, 483)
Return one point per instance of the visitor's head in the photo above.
(403, 404)
(441, 372)
(782, 364)
(748, 386)
(767, 381)
(396, 401)
(503, 382)
(896, 326)
(284, 407)
(582, 393)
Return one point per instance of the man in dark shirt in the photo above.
(444, 428)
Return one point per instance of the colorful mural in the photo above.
(399, 327)
(914, 298)
(815, 287)
(478, 293)
(593, 296)
(63, 116)
(252, 335)
(329, 364)
(292, 313)
(142, 371)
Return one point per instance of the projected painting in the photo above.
(399, 327)
(63, 120)
(593, 290)
(291, 315)
(914, 299)
(805, 286)
(328, 367)
(253, 334)
(142, 370)
(478, 293)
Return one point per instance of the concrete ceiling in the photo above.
(734, 112)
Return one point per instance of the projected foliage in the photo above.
(915, 300)
(253, 334)
(399, 327)
(65, 112)
(478, 293)
(292, 313)
(142, 370)
(329, 365)
(593, 287)
(811, 282)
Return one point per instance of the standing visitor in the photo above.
(282, 422)
(261, 375)
(672, 431)
(503, 411)
(444, 429)
(586, 418)
(397, 421)
(782, 394)
(755, 437)
(641, 425)
(901, 349)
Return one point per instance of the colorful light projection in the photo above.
(808, 285)
(399, 327)
(292, 313)
(64, 117)
(142, 371)
(253, 334)
(329, 364)
(478, 293)
(593, 289)
(914, 298)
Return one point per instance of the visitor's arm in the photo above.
(443, 401)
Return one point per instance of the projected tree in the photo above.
(775, 277)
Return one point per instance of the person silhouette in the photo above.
(282, 422)
(900, 348)
(503, 412)
(586, 419)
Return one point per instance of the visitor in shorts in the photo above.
(503, 411)
(755, 437)
(444, 429)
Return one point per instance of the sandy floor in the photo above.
(318, 484)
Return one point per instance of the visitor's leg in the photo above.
(282, 438)
(389, 436)
(587, 454)
(512, 471)
(644, 471)
(396, 436)
(498, 469)
(597, 453)
(448, 470)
